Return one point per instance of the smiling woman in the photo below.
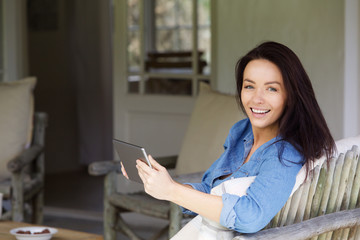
(302, 123)
(255, 175)
(263, 96)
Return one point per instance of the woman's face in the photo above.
(263, 94)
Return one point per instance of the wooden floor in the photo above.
(74, 200)
(74, 190)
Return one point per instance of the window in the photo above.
(166, 54)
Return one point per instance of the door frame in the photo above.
(15, 55)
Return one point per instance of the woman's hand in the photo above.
(159, 184)
(157, 181)
(123, 171)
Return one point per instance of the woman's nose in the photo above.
(259, 96)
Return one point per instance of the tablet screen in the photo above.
(128, 154)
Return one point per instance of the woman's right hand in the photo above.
(157, 181)
(123, 171)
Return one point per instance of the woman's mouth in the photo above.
(259, 111)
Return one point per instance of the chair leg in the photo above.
(17, 199)
(38, 200)
(175, 219)
(37, 206)
(109, 221)
(109, 209)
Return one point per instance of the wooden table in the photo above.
(62, 234)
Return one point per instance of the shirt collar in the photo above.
(248, 136)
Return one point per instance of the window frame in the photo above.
(146, 16)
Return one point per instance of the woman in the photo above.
(284, 130)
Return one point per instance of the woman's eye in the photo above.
(248, 87)
(271, 89)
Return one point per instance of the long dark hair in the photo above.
(302, 123)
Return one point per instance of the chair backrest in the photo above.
(16, 119)
(213, 115)
(331, 187)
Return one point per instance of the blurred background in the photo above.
(130, 69)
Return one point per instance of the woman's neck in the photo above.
(262, 136)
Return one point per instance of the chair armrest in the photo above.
(25, 158)
(309, 228)
(104, 167)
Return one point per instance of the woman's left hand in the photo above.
(157, 181)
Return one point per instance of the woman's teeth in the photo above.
(259, 111)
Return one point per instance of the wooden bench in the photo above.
(326, 206)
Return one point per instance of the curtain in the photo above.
(89, 24)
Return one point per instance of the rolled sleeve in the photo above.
(245, 219)
(228, 214)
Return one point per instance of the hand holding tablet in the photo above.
(134, 161)
(128, 154)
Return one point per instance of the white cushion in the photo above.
(213, 116)
(342, 145)
(16, 116)
(346, 144)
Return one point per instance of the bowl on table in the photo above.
(33, 233)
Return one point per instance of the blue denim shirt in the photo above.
(273, 184)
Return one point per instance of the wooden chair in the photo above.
(213, 115)
(22, 176)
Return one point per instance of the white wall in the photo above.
(351, 110)
(314, 30)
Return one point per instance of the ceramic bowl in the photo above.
(33, 233)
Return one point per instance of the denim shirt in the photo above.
(273, 184)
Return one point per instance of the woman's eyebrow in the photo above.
(248, 80)
(267, 83)
(273, 82)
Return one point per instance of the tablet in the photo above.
(128, 154)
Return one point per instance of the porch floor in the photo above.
(74, 200)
